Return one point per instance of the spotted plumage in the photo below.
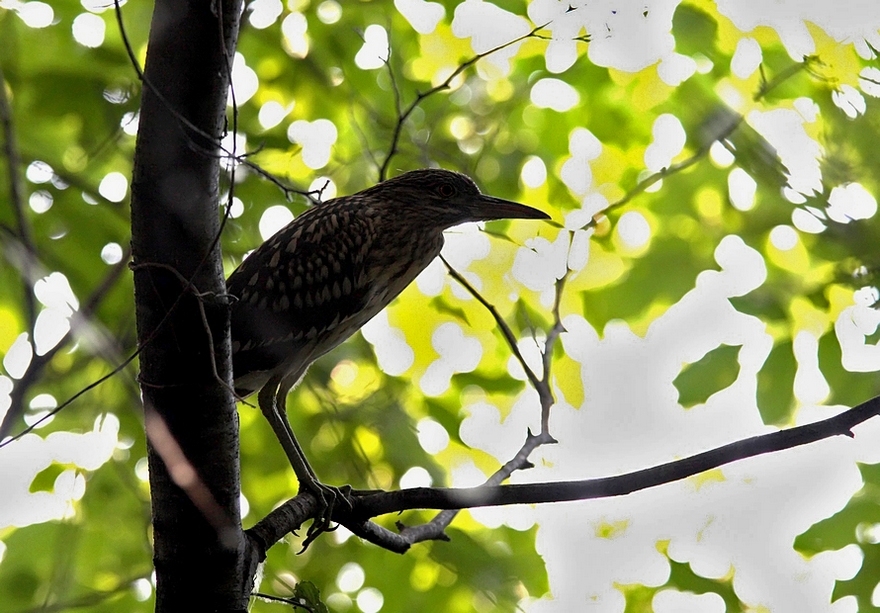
(322, 277)
(318, 280)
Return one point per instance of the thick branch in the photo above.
(372, 504)
(175, 227)
(449, 498)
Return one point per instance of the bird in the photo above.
(319, 279)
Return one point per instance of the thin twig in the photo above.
(79, 319)
(765, 88)
(119, 368)
(404, 115)
(506, 332)
(547, 354)
(435, 529)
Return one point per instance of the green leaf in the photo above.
(715, 371)
(309, 597)
(442, 305)
(776, 385)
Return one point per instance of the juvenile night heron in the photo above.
(318, 280)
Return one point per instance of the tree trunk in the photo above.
(182, 318)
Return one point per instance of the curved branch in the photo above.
(290, 515)
(619, 485)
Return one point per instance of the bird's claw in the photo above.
(328, 497)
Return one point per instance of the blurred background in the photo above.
(711, 172)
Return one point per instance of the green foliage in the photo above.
(73, 107)
(714, 372)
(309, 597)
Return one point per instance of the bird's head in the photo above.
(443, 198)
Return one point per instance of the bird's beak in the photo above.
(486, 208)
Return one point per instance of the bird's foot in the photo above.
(329, 498)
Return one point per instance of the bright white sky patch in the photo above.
(350, 577)
(111, 253)
(676, 68)
(113, 186)
(432, 279)
(393, 353)
(32, 454)
(847, 21)
(784, 130)
(746, 58)
(316, 138)
(233, 143)
(294, 28)
(272, 113)
(99, 6)
(35, 14)
(669, 141)
(458, 353)
(55, 294)
(673, 601)
(129, 123)
(489, 26)
(849, 100)
(273, 219)
(744, 267)
(810, 386)
(593, 204)
(39, 172)
(18, 357)
(808, 221)
(869, 81)
(540, 263)
(464, 244)
(88, 30)
(850, 202)
(554, 94)
(422, 16)
(853, 326)
(784, 237)
(43, 402)
(244, 80)
(235, 209)
(628, 36)
(416, 477)
(329, 11)
(142, 589)
(576, 172)
(807, 108)
(264, 13)
(40, 201)
(433, 437)
(634, 230)
(579, 253)
(324, 186)
(374, 52)
(370, 600)
(534, 172)
(741, 189)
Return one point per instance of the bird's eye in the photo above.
(445, 190)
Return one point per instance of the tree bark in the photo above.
(182, 317)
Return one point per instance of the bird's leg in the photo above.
(268, 399)
(273, 403)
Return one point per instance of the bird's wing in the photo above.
(296, 292)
